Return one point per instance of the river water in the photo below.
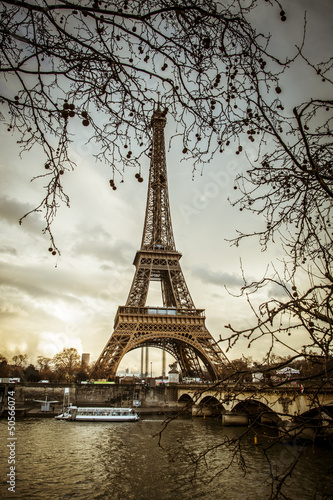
(122, 461)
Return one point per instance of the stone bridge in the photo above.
(265, 404)
(238, 404)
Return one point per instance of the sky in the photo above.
(48, 303)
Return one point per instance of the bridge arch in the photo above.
(322, 412)
(257, 411)
(185, 400)
(211, 405)
(207, 405)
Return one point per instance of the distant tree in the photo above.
(67, 363)
(276, 360)
(45, 371)
(100, 373)
(3, 366)
(43, 362)
(239, 370)
(31, 374)
(20, 360)
(82, 374)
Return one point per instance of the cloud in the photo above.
(277, 291)
(217, 278)
(47, 283)
(106, 267)
(8, 250)
(27, 281)
(95, 241)
(12, 210)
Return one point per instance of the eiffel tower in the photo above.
(178, 327)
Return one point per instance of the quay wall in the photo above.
(94, 394)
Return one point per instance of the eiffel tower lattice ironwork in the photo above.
(177, 327)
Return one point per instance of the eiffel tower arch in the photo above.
(178, 327)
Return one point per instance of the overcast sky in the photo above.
(48, 303)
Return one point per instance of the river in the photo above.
(56, 460)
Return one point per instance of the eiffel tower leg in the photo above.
(146, 361)
(163, 363)
(191, 362)
(142, 355)
(140, 286)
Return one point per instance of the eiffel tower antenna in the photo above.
(177, 327)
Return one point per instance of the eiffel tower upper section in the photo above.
(158, 240)
(157, 233)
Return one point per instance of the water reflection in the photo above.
(86, 460)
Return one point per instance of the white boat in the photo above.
(98, 414)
